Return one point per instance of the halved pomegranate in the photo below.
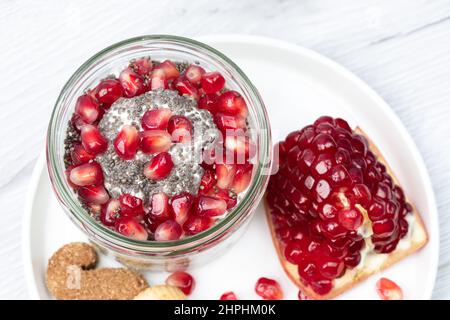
(159, 167)
(156, 119)
(155, 141)
(126, 143)
(92, 140)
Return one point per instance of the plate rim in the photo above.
(433, 227)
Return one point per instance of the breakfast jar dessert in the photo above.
(159, 148)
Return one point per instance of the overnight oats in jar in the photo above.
(159, 149)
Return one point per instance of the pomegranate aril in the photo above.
(79, 155)
(155, 141)
(169, 68)
(208, 181)
(126, 143)
(184, 87)
(294, 252)
(87, 108)
(302, 296)
(388, 290)
(228, 196)
(168, 230)
(242, 177)
(268, 289)
(131, 205)
(322, 286)
(194, 74)
(181, 206)
(180, 128)
(132, 83)
(77, 122)
(156, 119)
(87, 174)
(228, 124)
(159, 167)
(231, 102)
(108, 91)
(158, 80)
(351, 219)
(196, 224)
(212, 82)
(92, 140)
(225, 175)
(182, 280)
(230, 295)
(209, 206)
(130, 228)
(93, 194)
(159, 207)
(209, 102)
(142, 66)
(332, 268)
(110, 212)
(241, 146)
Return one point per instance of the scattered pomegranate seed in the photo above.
(228, 124)
(209, 102)
(169, 68)
(231, 102)
(130, 228)
(159, 167)
(132, 83)
(180, 128)
(87, 108)
(110, 212)
(195, 224)
(156, 119)
(212, 82)
(268, 289)
(79, 155)
(242, 177)
(158, 80)
(92, 140)
(160, 207)
(209, 206)
(131, 205)
(181, 206)
(230, 295)
(184, 87)
(155, 141)
(194, 74)
(93, 194)
(126, 143)
(389, 290)
(208, 181)
(225, 175)
(87, 174)
(108, 91)
(168, 230)
(182, 280)
(142, 66)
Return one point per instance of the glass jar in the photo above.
(172, 255)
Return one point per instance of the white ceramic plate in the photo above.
(297, 85)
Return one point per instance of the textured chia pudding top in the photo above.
(126, 176)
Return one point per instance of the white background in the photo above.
(401, 48)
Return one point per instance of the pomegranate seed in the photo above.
(209, 102)
(350, 219)
(230, 295)
(87, 108)
(180, 128)
(209, 206)
(156, 119)
(158, 80)
(108, 91)
(130, 228)
(131, 205)
(168, 230)
(242, 177)
(77, 122)
(195, 224)
(268, 289)
(155, 141)
(132, 83)
(294, 252)
(389, 290)
(92, 140)
(194, 74)
(79, 155)
(87, 174)
(181, 206)
(142, 66)
(127, 142)
(182, 280)
(302, 296)
(184, 87)
(225, 175)
(229, 123)
(212, 82)
(67, 173)
(160, 208)
(231, 102)
(110, 212)
(93, 194)
(169, 68)
(208, 181)
(227, 195)
(159, 167)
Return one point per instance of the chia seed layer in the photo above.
(126, 176)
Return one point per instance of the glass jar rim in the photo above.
(240, 212)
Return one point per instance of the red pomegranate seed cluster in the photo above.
(328, 185)
(160, 218)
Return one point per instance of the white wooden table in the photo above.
(401, 48)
